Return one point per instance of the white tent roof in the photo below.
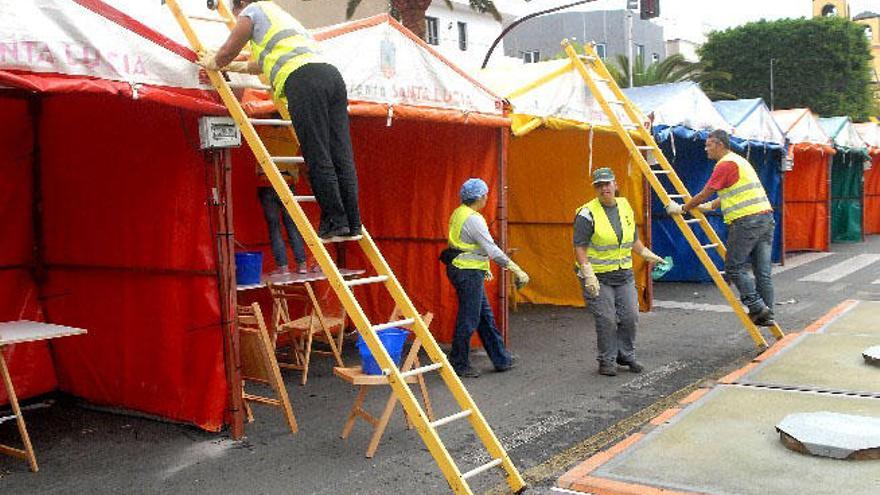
(801, 126)
(751, 119)
(842, 132)
(681, 103)
(143, 45)
(869, 132)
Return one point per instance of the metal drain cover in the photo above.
(828, 434)
(872, 355)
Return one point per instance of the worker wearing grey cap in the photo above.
(605, 237)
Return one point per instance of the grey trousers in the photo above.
(616, 313)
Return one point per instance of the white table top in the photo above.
(16, 332)
(298, 278)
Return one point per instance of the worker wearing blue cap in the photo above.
(605, 237)
(467, 258)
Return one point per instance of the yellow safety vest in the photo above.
(287, 46)
(469, 259)
(606, 252)
(746, 196)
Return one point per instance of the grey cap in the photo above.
(603, 174)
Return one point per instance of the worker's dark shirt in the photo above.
(583, 232)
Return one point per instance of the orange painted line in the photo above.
(776, 347)
(597, 460)
(602, 486)
(834, 313)
(665, 416)
(696, 394)
(736, 375)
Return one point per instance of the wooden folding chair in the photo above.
(357, 377)
(302, 332)
(258, 363)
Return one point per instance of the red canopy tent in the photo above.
(807, 190)
(870, 132)
(112, 213)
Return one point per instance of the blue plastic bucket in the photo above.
(248, 267)
(392, 339)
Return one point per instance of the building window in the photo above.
(462, 36)
(639, 51)
(829, 10)
(531, 56)
(600, 50)
(869, 33)
(431, 31)
(655, 57)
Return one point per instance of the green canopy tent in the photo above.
(847, 182)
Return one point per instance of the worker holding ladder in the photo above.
(285, 52)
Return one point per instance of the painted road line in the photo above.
(799, 260)
(717, 308)
(842, 269)
(876, 281)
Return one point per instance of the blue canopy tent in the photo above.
(683, 116)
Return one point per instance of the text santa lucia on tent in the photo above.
(413, 94)
(42, 55)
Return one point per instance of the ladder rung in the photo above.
(485, 467)
(342, 238)
(660, 172)
(304, 199)
(630, 127)
(645, 148)
(262, 87)
(616, 102)
(206, 18)
(708, 246)
(602, 80)
(391, 324)
(270, 122)
(450, 419)
(288, 159)
(423, 369)
(692, 220)
(366, 280)
(676, 196)
(589, 58)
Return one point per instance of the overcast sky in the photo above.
(691, 18)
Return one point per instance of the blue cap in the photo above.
(473, 189)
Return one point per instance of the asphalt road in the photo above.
(550, 413)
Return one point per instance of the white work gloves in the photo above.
(520, 277)
(650, 257)
(207, 60)
(591, 283)
(674, 208)
(487, 276)
(706, 207)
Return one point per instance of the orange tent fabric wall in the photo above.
(548, 180)
(31, 366)
(409, 176)
(807, 195)
(131, 257)
(872, 196)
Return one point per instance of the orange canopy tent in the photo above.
(807, 187)
(870, 133)
(560, 137)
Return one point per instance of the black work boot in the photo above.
(608, 369)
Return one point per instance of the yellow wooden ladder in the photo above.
(609, 96)
(457, 480)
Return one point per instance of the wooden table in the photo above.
(18, 332)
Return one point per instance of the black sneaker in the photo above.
(765, 322)
(337, 232)
(514, 360)
(763, 314)
(634, 366)
(608, 369)
(468, 373)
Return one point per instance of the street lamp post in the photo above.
(772, 61)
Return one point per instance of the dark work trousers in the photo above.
(318, 104)
(274, 212)
(474, 313)
(616, 313)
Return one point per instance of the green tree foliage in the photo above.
(821, 63)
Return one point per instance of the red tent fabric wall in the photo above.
(409, 174)
(872, 196)
(807, 194)
(31, 366)
(131, 257)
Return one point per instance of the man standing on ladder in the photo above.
(470, 248)
(749, 217)
(284, 50)
(604, 239)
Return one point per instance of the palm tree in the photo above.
(412, 12)
(673, 68)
